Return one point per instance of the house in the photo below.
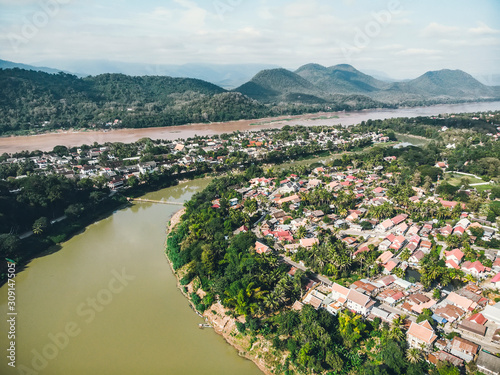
(115, 183)
(478, 318)
(442, 356)
(492, 313)
(447, 313)
(468, 325)
(390, 265)
(416, 257)
(315, 299)
(421, 335)
(399, 219)
(359, 302)
(476, 269)
(446, 230)
(261, 248)
(463, 302)
(308, 242)
(495, 281)
(456, 255)
(398, 243)
(242, 229)
(463, 348)
(384, 226)
(488, 364)
(339, 293)
(384, 245)
(401, 229)
(384, 257)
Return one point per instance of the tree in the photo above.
(436, 294)
(351, 327)
(301, 232)
(334, 361)
(414, 355)
(9, 244)
(445, 368)
(132, 181)
(74, 210)
(392, 356)
(40, 225)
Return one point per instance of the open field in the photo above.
(456, 179)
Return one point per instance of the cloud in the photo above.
(437, 30)
(417, 52)
(483, 29)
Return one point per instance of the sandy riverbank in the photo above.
(215, 315)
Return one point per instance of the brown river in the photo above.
(107, 303)
(46, 142)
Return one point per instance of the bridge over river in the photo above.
(154, 201)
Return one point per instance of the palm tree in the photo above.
(301, 232)
(271, 303)
(399, 322)
(414, 355)
(397, 334)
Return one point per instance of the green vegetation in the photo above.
(259, 288)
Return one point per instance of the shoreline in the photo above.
(226, 325)
(47, 141)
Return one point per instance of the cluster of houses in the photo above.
(403, 243)
(184, 153)
(467, 311)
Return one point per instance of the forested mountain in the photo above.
(343, 79)
(31, 100)
(4, 64)
(37, 101)
(323, 82)
(274, 84)
(448, 83)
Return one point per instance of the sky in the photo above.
(402, 38)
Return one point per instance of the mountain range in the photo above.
(227, 76)
(318, 84)
(33, 97)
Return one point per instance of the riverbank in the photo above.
(46, 142)
(219, 317)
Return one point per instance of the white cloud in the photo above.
(436, 30)
(483, 29)
(417, 52)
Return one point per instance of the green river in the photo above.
(107, 303)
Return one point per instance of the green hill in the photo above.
(31, 99)
(316, 83)
(341, 79)
(278, 85)
(453, 83)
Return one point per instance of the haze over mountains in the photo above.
(32, 99)
(227, 76)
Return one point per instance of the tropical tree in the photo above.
(40, 225)
(414, 355)
(301, 232)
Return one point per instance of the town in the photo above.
(413, 248)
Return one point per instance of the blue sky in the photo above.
(403, 38)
